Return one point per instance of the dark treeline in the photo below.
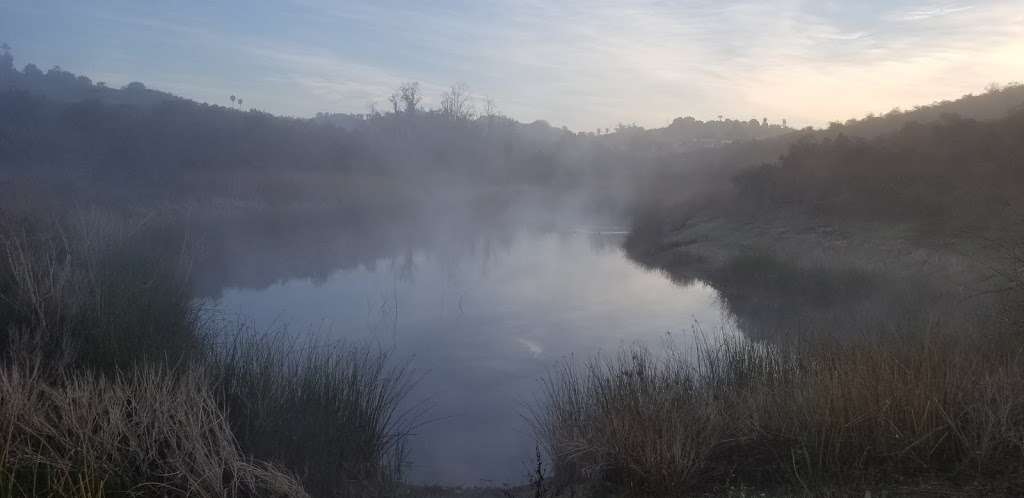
(874, 268)
(65, 86)
(954, 172)
(133, 145)
(121, 205)
(898, 201)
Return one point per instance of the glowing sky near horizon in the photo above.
(584, 64)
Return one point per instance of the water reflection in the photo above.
(483, 312)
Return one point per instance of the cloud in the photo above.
(922, 14)
(588, 63)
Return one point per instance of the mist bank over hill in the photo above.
(125, 205)
(937, 170)
(857, 221)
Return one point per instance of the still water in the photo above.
(483, 316)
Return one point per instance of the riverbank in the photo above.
(872, 365)
(878, 284)
(113, 381)
(782, 272)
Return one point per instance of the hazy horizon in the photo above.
(584, 66)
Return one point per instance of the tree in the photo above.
(490, 108)
(456, 104)
(232, 99)
(239, 103)
(396, 102)
(32, 71)
(409, 96)
(6, 59)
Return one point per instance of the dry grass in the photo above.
(892, 410)
(131, 393)
(332, 413)
(96, 291)
(149, 433)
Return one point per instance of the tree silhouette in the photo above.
(456, 104)
(6, 59)
(232, 99)
(410, 96)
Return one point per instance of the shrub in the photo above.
(148, 432)
(882, 410)
(332, 413)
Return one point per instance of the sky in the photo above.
(584, 64)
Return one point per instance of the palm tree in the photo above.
(232, 99)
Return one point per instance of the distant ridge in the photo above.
(65, 86)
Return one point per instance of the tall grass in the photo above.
(96, 291)
(149, 432)
(112, 381)
(887, 410)
(330, 412)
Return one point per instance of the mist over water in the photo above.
(481, 311)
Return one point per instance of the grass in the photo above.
(150, 432)
(331, 412)
(96, 291)
(887, 411)
(112, 383)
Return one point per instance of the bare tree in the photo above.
(456, 103)
(396, 102)
(490, 108)
(373, 111)
(406, 99)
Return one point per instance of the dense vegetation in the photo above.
(114, 382)
(877, 266)
(874, 264)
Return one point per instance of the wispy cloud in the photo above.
(589, 63)
(921, 14)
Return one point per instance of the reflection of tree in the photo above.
(258, 250)
(407, 268)
(604, 241)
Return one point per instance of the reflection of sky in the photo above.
(484, 324)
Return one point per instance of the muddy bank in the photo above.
(782, 275)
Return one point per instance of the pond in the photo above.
(482, 314)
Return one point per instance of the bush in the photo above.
(885, 410)
(149, 432)
(96, 291)
(102, 306)
(330, 412)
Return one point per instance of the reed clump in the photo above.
(927, 406)
(112, 381)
